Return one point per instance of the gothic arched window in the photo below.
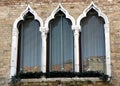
(29, 44)
(92, 42)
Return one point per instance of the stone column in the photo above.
(76, 48)
(43, 58)
(14, 49)
(107, 49)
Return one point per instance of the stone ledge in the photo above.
(62, 82)
(60, 79)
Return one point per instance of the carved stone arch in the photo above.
(15, 32)
(21, 17)
(106, 32)
(52, 16)
(92, 6)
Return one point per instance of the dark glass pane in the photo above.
(55, 45)
(61, 44)
(30, 45)
(68, 45)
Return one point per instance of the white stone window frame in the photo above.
(15, 32)
(45, 29)
(106, 32)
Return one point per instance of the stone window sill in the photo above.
(60, 79)
(86, 81)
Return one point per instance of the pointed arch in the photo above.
(106, 32)
(52, 16)
(21, 17)
(15, 32)
(92, 6)
(59, 24)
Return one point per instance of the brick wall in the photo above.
(11, 9)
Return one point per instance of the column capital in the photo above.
(76, 28)
(44, 29)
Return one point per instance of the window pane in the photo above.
(61, 44)
(68, 45)
(30, 54)
(55, 45)
(93, 43)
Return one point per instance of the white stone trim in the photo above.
(107, 32)
(13, 64)
(14, 47)
(52, 16)
(92, 6)
(21, 17)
